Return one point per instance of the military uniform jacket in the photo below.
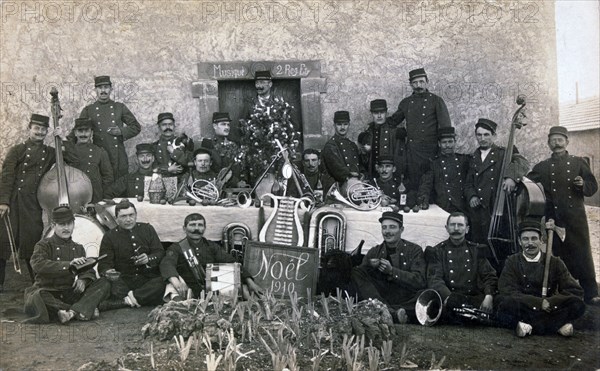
(94, 162)
(389, 187)
(408, 264)
(23, 168)
(424, 114)
(120, 245)
(174, 263)
(461, 269)
(51, 260)
(228, 152)
(162, 157)
(564, 200)
(130, 185)
(445, 181)
(482, 177)
(104, 116)
(384, 142)
(522, 281)
(340, 156)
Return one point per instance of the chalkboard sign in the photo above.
(282, 269)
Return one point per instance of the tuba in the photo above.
(359, 195)
(235, 236)
(429, 307)
(327, 230)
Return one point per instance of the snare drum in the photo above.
(223, 279)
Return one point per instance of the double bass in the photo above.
(528, 201)
(63, 185)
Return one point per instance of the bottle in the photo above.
(402, 192)
(89, 264)
(156, 189)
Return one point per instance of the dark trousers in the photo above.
(512, 311)
(83, 303)
(370, 283)
(147, 290)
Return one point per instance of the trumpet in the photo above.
(360, 196)
(203, 191)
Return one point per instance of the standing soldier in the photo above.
(132, 184)
(22, 171)
(113, 125)
(170, 161)
(89, 158)
(382, 139)
(340, 154)
(425, 113)
(444, 182)
(566, 180)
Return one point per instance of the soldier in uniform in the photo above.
(425, 113)
(132, 184)
(481, 184)
(567, 180)
(459, 272)
(444, 182)
(169, 161)
(22, 171)
(113, 125)
(89, 158)
(387, 182)
(134, 251)
(226, 149)
(383, 139)
(393, 272)
(184, 264)
(57, 293)
(318, 180)
(340, 154)
(520, 302)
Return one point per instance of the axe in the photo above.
(560, 232)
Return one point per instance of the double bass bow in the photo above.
(502, 235)
(63, 185)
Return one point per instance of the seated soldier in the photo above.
(184, 265)
(132, 184)
(202, 170)
(521, 303)
(133, 253)
(459, 272)
(394, 192)
(317, 179)
(57, 293)
(392, 272)
(228, 151)
(93, 160)
(171, 159)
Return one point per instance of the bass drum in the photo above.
(87, 232)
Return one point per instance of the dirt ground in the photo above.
(115, 341)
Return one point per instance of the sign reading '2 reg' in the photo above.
(282, 270)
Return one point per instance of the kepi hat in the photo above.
(102, 80)
(392, 216)
(62, 215)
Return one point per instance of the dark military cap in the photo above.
(378, 105)
(385, 160)
(530, 225)
(262, 75)
(419, 72)
(203, 150)
(221, 117)
(39, 120)
(165, 116)
(102, 80)
(83, 123)
(559, 130)
(446, 132)
(144, 148)
(487, 124)
(392, 216)
(341, 116)
(62, 215)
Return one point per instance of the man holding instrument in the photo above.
(184, 264)
(523, 304)
(567, 180)
(22, 171)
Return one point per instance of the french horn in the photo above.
(203, 191)
(429, 307)
(359, 195)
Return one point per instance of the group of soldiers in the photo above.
(409, 155)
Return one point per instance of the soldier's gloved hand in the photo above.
(78, 286)
(474, 202)
(578, 181)
(114, 131)
(78, 261)
(487, 305)
(546, 306)
(4, 210)
(179, 285)
(175, 168)
(509, 185)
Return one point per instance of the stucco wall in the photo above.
(479, 55)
